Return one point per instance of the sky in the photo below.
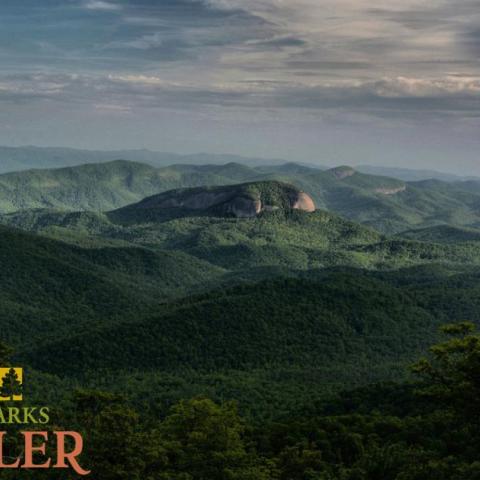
(325, 81)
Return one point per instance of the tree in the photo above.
(116, 443)
(203, 440)
(11, 385)
(452, 373)
(5, 353)
(451, 381)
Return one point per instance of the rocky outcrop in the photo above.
(342, 172)
(391, 191)
(241, 201)
(304, 202)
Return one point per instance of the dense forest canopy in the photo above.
(190, 344)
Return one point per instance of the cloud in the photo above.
(112, 109)
(419, 87)
(471, 39)
(415, 99)
(25, 88)
(102, 5)
(411, 59)
(278, 41)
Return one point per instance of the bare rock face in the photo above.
(241, 201)
(343, 172)
(304, 202)
(391, 191)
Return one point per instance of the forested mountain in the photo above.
(410, 174)
(245, 287)
(126, 269)
(175, 308)
(443, 234)
(387, 204)
(103, 186)
(333, 325)
(50, 286)
(14, 159)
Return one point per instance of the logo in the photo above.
(11, 391)
(33, 450)
(11, 384)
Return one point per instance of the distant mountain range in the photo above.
(30, 157)
(388, 204)
(14, 159)
(412, 175)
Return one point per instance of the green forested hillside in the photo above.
(386, 204)
(282, 239)
(426, 430)
(105, 186)
(443, 234)
(142, 325)
(337, 324)
(49, 287)
(108, 299)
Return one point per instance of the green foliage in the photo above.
(105, 186)
(204, 440)
(274, 346)
(5, 352)
(443, 234)
(114, 436)
(285, 323)
(294, 316)
(386, 204)
(49, 286)
(130, 306)
(433, 437)
(451, 375)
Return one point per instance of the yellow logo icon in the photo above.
(11, 384)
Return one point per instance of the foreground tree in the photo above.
(5, 352)
(451, 375)
(203, 440)
(115, 442)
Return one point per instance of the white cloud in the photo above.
(112, 109)
(350, 55)
(361, 30)
(138, 80)
(424, 88)
(145, 42)
(101, 5)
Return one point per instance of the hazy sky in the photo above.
(328, 81)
